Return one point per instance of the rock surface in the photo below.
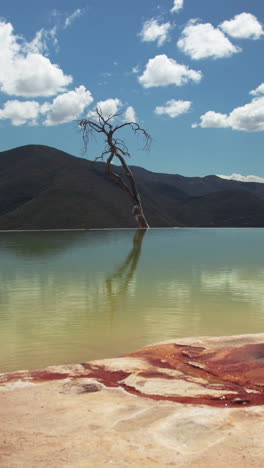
(188, 403)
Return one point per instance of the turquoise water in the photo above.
(74, 296)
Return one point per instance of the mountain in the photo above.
(45, 188)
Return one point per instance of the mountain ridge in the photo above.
(45, 188)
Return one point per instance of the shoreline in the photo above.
(189, 340)
(129, 229)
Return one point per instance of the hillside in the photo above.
(44, 188)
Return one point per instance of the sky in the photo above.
(191, 72)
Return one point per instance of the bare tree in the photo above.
(116, 148)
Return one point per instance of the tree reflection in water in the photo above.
(117, 284)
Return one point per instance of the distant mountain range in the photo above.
(44, 188)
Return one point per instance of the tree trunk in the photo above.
(139, 216)
(132, 190)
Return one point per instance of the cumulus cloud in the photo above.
(64, 108)
(243, 26)
(108, 108)
(20, 112)
(76, 14)
(247, 118)
(173, 108)
(241, 178)
(162, 71)
(130, 115)
(212, 119)
(68, 106)
(178, 5)
(153, 31)
(202, 40)
(258, 91)
(24, 71)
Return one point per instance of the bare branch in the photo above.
(136, 128)
(120, 144)
(88, 127)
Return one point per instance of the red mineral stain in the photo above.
(105, 376)
(43, 376)
(155, 375)
(34, 376)
(237, 372)
(13, 377)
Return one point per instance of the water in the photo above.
(68, 297)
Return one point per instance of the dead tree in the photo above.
(116, 148)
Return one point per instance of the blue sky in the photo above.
(190, 71)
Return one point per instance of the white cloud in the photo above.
(202, 40)
(163, 71)
(173, 108)
(130, 114)
(39, 43)
(68, 106)
(76, 14)
(108, 108)
(212, 119)
(26, 73)
(248, 118)
(243, 26)
(241, 178)
(153, 31)
(258, 91)
(178, 5)
(64, 108)
(20, 112)
(135, 69)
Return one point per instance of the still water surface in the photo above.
(73, 296)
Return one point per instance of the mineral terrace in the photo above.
(186, 403)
